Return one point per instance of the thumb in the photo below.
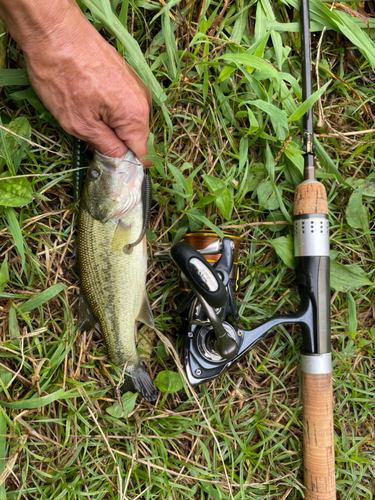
(136, 141)
(139, 148)
(105, 140)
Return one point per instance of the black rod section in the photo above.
(308, 132)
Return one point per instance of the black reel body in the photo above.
(210, 319)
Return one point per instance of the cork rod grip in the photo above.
(310, 198)
(318, 449)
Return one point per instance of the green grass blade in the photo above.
(41, 298)
(307, 104)
(15, 230)
(250, 61)
(5, 379)
(40, 402)
(12, 77)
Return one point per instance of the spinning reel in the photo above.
(210, 319)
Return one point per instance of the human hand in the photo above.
(82, 80)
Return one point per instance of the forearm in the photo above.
(36, 19)
(79, 77)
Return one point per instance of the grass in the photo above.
(225, 81)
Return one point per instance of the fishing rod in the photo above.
(210, 320)
(311, 251)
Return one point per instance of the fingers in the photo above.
(105, 140)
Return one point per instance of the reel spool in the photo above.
(202, 239)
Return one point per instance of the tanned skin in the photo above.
(79, 77)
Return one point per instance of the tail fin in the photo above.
(137, 379)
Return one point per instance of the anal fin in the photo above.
(145, 314)
(86, 318)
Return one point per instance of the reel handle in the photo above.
(209, 288)
(203, 278)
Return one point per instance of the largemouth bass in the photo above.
(113, 283)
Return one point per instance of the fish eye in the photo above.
(94, 173)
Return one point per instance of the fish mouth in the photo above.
(117, 164)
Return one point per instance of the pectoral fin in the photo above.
(86, 318)
(145, 314)
(121, 238)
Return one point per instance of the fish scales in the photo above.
(113, 282)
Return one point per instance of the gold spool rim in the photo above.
(213, 234)
(214, 262)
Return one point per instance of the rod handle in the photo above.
(318, 447)
(310, 198)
